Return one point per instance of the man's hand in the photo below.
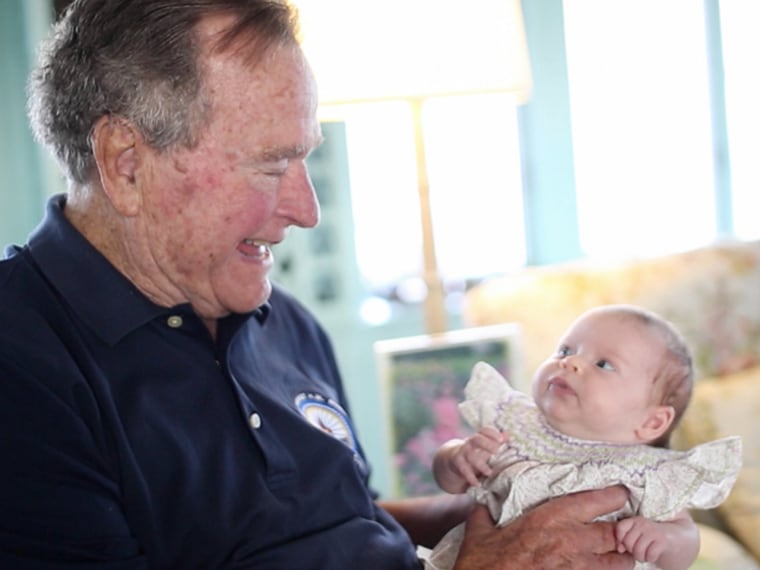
(556, 534)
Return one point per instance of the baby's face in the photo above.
(599, 384)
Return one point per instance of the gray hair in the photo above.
(137, 59)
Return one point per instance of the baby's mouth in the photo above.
(559, 385)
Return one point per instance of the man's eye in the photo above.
(605, 364)
(274, 168)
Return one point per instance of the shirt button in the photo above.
(255, 420)
(174, 321)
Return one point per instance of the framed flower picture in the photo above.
(423, 381)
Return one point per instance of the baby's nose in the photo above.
(571, 361)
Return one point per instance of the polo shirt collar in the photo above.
(101, 296)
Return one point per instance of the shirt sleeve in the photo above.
(60, 501)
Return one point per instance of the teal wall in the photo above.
(546, 140)
(26, 173)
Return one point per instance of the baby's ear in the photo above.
(656, 422)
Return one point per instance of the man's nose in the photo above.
(299, 200)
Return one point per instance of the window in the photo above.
(473, 168)
(641, 126)
(475, 183)
(740, 45)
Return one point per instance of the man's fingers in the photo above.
(480, 518)
(605, 501)
(604, 540)
(614, 561)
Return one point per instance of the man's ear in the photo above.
(115, 145)
(656, 423)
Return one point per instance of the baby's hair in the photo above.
(674, 379)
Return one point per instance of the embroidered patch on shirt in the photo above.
(327, 415)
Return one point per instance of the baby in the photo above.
(603, 408)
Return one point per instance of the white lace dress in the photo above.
(540, 462)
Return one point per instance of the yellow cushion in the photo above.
(718, 551)
(730, 405)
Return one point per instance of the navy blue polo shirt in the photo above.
(131, 439)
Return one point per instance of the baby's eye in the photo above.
(564, 350)
(605, 364)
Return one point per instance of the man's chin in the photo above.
(255, 300)
(236, 299)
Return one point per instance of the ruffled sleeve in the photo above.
(700, 478)
(485, 395)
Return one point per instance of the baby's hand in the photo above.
(643, 538)
(471, 460)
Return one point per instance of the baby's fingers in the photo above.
(622, 530)
(491, 439)
(474, 465)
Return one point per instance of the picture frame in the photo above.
(423, 379)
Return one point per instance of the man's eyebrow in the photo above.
(280, 152)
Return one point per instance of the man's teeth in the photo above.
(262, 247)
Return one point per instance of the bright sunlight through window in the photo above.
(641, 125)
(741, 44)
(475, 187)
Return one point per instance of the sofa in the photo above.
(712, 294)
